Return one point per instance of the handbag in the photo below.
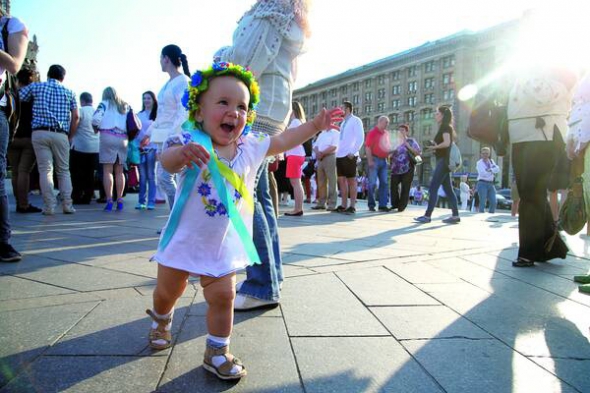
(309, 169)
(415, 159)
(572, 214)
(133, 125)
(133, 176)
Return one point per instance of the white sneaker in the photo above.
(244, 303)
(48, 211)
(69, 209)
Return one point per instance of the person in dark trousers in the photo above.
(402, 168)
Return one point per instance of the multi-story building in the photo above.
(5, 6)
(409, 86)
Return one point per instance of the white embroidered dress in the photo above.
(205, 241)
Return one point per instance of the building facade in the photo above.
(409, 86)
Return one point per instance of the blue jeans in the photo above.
(167, 183)
(147, 178)
(441, 176)
(379, 170)
(486, 191)
(263, 280)
(4, 224)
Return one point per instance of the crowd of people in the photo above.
(216, 133)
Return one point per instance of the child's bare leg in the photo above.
(220, 294)
(171, 285)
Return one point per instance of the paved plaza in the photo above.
(371, 303)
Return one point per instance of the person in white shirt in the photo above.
(84, 153)
(171, 113)
(486, 169)
(352, 136)
(325, 149)
(464, 191)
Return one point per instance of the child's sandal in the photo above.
(224, 370)
(160, 333)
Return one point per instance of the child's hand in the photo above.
(326, 118)
(194, 154)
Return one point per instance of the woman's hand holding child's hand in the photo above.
(195, 154)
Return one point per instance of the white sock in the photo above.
(220, 342)
(165, 316)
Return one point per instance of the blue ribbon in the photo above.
(191, 176)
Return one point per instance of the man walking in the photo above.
(351, 139)
(377, 147)
(55, 119)
(325, 153)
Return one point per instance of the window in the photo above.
(427, 130)
(393, 118)
(448, 61)
(428, 83)
(395, 104)
(448, 78)
(380, 107)
(412, 87)
(429, 98)
(368, 96)
(355, 99)
(412, 101)
(304, 100)
(395, 75)
(381, 94)
(355, 86)
(368, 83)
(334, 104)
(429, 66)
(366, 124)
(427, 114)
(381, 79)
(323, 95)
(334, 92)
(343, 89)
(448, 94)
(314, 109)
(412, 71)
(368, 109)
(314, 98)
(396, 90)
(409, 116)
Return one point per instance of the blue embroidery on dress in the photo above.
(212, 206)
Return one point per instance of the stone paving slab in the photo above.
(321, 305)
(271, 367)
(359, 364)
(572, 371)
(19, 288)
(114, 328)
(420, 273)
(26, 334)
(381, 287)
(427, 322)
(89, 375)
(468, 366)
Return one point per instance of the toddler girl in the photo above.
(209, 232)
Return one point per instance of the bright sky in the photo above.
(117, 42)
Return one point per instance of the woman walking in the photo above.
(295, 159)
(441, 176)
(110, 120)
(402, 168)
(170, 113)
(147, 160)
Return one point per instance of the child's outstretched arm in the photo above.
(175, 158)
(296, 136)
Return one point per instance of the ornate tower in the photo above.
(5, 5)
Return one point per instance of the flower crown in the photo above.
(200, 83)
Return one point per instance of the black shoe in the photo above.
(339, 209)
(8, 253)
(384, 209)
(296, 214)
(318, 208)
(350, 210)
(28, 209)
(372, 209)
(522, 262)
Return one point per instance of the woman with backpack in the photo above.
(441, 176)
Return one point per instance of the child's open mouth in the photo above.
(228, 127)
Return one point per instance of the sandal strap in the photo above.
(226, 367)
(160, 321)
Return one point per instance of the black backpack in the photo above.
(488, 124)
